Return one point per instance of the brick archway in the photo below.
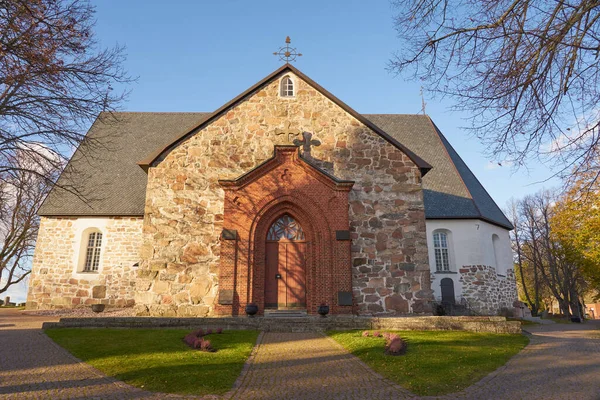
(285, 184)
(319, 242)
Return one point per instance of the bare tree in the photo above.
(526, 71)
(21, 194)
(553, 267)
(54, 80)
(527, 272)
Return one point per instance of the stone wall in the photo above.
(306, 324)
(485, 290)
(56, 281)
(184, 203)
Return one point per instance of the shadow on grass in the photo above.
(158, 360)
(464, 357)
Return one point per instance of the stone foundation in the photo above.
(307, 324)
(486, 291)
(55, 281)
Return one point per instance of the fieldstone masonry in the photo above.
(185, 207)
(55, 282)
(486, 291)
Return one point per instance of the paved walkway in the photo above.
(311, 366)
(33, 367)
(562, 362)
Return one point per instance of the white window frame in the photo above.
(438, 249)
(293, 82)
(89, 260)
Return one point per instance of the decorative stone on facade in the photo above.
(486, 291)
(185, 204)
(56, 281)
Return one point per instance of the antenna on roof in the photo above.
(287, 53)
(423, 104)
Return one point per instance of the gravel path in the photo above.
(562, 362)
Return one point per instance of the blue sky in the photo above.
(197, 55)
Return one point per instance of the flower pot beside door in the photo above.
(323, 310)
(251, 309)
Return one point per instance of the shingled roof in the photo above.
(115, 185)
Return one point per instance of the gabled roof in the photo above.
(112, 184)
(450, 189)
(155, 155)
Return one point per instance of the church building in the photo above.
(284, 197)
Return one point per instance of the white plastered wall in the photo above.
(470, 243)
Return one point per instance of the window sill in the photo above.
(445, 272)
(88, 272)
(504, 276)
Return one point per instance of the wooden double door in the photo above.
(285, 272)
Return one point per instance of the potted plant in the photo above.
(323, 310)
(98, 308)
(251, 309)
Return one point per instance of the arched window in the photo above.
(285, 228)
(496, 245)
(92, 251)
(440, 247)
(286, 87)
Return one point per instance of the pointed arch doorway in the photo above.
(285, 266)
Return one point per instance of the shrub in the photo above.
(395, 346)
(219, 330)
(205, 345)
(376, 334)
(209, 331)
(199, 332)
(365, 334)
(190, 339)
(195, 339)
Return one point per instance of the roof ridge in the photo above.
(157, 112)
(398, 114)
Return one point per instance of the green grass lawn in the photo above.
(158, 360)
(436, 362)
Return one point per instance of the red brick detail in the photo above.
(285, 184)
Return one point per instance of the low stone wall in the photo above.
(486, 291)
(305, 324)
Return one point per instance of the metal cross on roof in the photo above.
(287, 53)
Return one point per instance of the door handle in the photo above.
(277, 276)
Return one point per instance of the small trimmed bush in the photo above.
(376, 334)
(365, 334)
(196, 340)
(394, 345)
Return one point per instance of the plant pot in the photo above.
(98, 308)
(251, 309)
(323, 310)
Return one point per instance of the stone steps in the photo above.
(285, 314)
